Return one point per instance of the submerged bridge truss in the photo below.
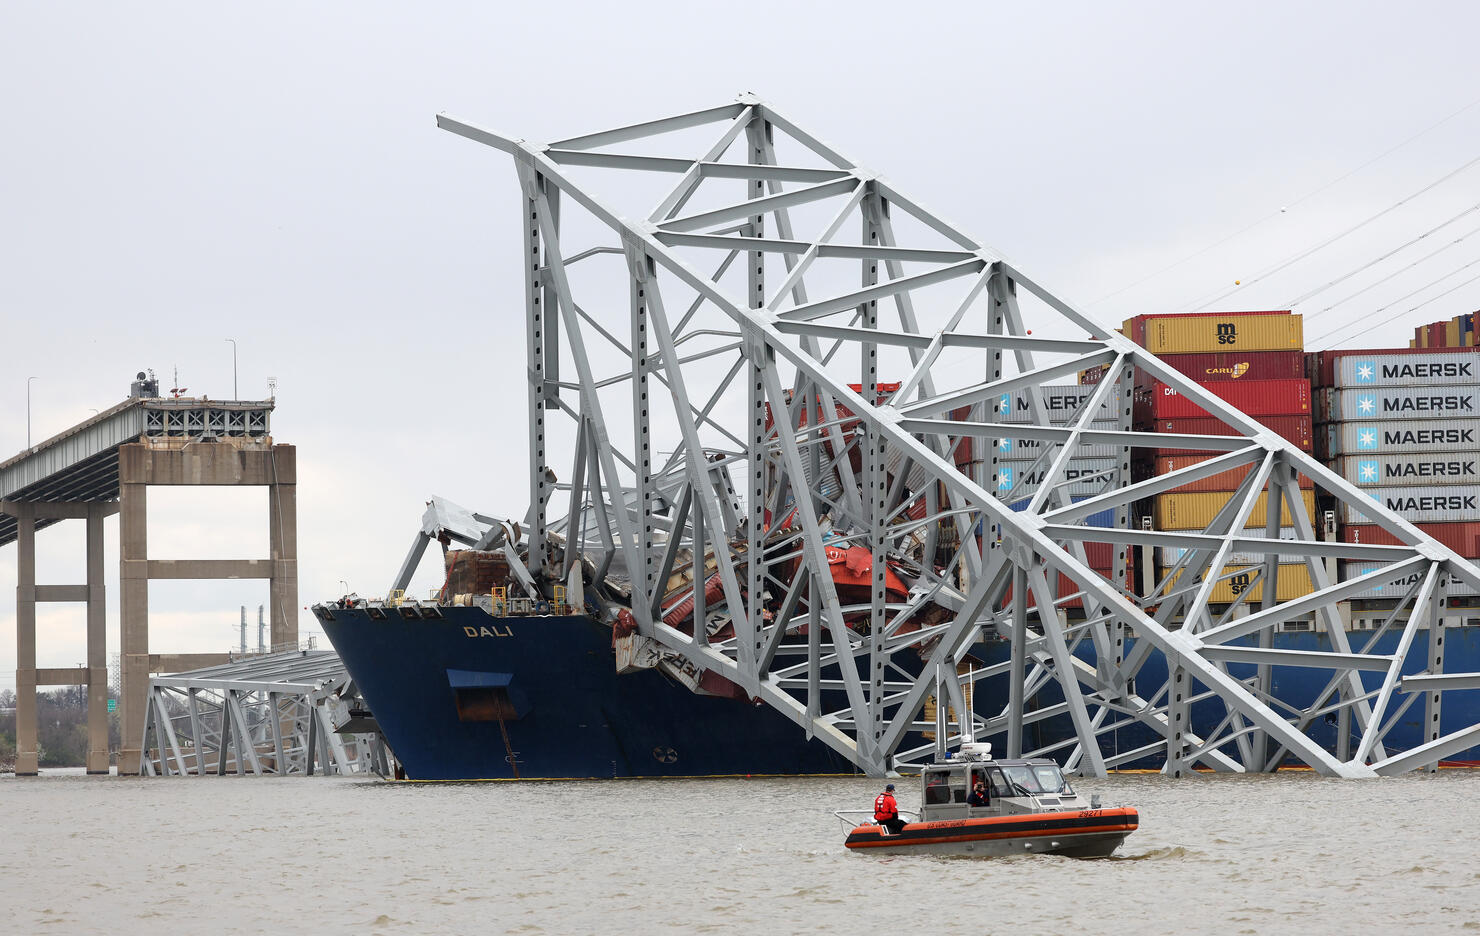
(772, 352)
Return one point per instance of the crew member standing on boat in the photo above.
(886, 811)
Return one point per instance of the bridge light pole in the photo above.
(28, 411)
(233, 368)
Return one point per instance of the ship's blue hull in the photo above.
(567, 713)
(1295, 688)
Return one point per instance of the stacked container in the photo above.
(1255, 361)
(1017, 471)
(1458, 332)
(1091, 469)
(1403, 424)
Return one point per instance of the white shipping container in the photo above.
(1061, 403)
(1398, 589)
(1085, 476)
(1410, 470)
(1405, 436)
(1172, 556)
(1440, 401)
(1454, 503)
(1029, 448)
(1405, 370)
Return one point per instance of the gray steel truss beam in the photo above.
(839, 469)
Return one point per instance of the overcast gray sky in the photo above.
(173, 175)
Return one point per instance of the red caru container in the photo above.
(1236, 366)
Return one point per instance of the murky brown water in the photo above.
(1291, 853)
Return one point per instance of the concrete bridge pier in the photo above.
(143, 464)
(27, 593)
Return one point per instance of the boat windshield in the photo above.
(1044, 778)
(1051, 779)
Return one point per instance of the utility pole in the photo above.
(28, 411)
(233, 368)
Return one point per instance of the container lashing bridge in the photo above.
(750, 292)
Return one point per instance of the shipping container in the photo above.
(1212, 332)
(1296, 429)
(1463, 538)
(1222, 481)
(1251, 397)
(1085, 477)
(1238, 581)
(1395, 436)
(1102, 555)
(1008, 448)
(1410, 470)
(1061, 404)
(1394, 367)
(1398, 589)
(1437, 401)
(1104, 519)
(1226, 366)
(1450, 503)
(1196, 511)
(1134, 328)
(1067, 586)
(1171, 556)
(1218, 367)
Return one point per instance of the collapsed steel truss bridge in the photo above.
(751, 353)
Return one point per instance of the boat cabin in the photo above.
(1013, 786)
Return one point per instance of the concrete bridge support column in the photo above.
(133, 629)
(25, 642)
(282, 524)
(97, 635)
(28, 593)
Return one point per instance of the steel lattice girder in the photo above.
(815, 433)
(264, 715)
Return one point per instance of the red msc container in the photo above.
(1222, 481)
(1463, 538)
(1297, 429)
(1254, 397)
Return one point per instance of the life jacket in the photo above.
(885, 808)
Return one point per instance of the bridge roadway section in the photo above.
(104, 466)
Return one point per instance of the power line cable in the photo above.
(1422, 304)
(1371, 263)
(1445, 292)
(1302, 199)
(1393, 275)
(1354, 322)
(1291, 261)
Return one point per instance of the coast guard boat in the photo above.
(1031, 808)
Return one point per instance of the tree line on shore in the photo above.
(61, 728)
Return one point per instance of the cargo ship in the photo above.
(474, 684)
